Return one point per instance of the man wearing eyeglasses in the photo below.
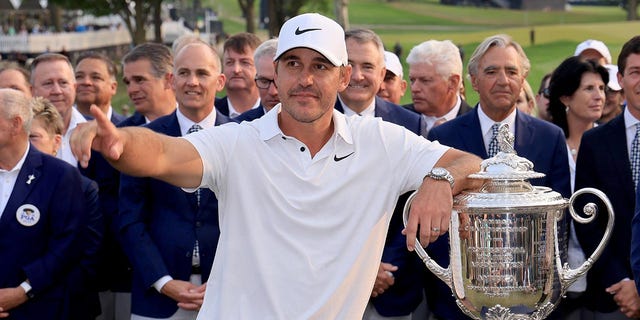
(265, 71)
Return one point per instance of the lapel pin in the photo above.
(31, 177)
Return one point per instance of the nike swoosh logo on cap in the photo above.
(336, 158)
(299, 32)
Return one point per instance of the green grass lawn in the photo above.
(411, 22)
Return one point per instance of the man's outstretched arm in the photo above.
(138, 151)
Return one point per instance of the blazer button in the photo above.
(198, 224)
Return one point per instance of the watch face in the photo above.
(440, 172)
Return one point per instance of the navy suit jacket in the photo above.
(251, 114)
(158, 226)
(137, 119)
(117, 118)
(222, 105)
(45, 252)
(603, 163)
(539, 141)
(114, 270)
(404, 296)
(82, 296)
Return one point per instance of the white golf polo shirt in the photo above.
(302, 237)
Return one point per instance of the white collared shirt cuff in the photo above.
(161, 282)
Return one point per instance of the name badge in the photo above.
(28, 215)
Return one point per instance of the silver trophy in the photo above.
(505, 259)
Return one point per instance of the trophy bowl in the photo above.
(505, 255)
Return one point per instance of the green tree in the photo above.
(134, 13)
(281, 10)
(632, 10)
(248, 12)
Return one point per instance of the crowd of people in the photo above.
(284, 198)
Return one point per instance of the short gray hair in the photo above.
(443, 55)
(363, 36)
(501, 41)
(14, 103)
(267, 48)
(158, 55)
(49, 57)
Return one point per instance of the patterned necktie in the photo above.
(635, 156)
(494, 147)
(195, 259)
(195, 128)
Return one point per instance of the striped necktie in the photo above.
(195, 259)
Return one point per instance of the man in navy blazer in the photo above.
(171, 235)
(498, 68)
(239, 69)
(42, 220)
(604, 162)
(435, 74)
(146, 72)
(398, 291)
(96, 84)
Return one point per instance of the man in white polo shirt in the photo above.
(305, 240)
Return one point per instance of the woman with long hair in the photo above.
(576, 100)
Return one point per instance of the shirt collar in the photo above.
(76, 118)
(232, 110)
(629, 119)
(109, 112)
(486, 122)
(431, 120)
(370, 110)
(185, 123)
(269, 128)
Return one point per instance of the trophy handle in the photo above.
(569, 275)
(434, 267)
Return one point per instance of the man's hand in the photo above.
(431, 211)
(11, 298)
(384, 279)
(99, 134)
(195, 296)
(183, 292)
(626, 296)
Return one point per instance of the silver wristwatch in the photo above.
(439, 173)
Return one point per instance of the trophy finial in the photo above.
(505, 139)
(506, 165)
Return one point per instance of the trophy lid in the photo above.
(506, 184)
(506, 165)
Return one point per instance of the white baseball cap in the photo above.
(595, 45)
(392, 63)
(613, 77)
(314, 31)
